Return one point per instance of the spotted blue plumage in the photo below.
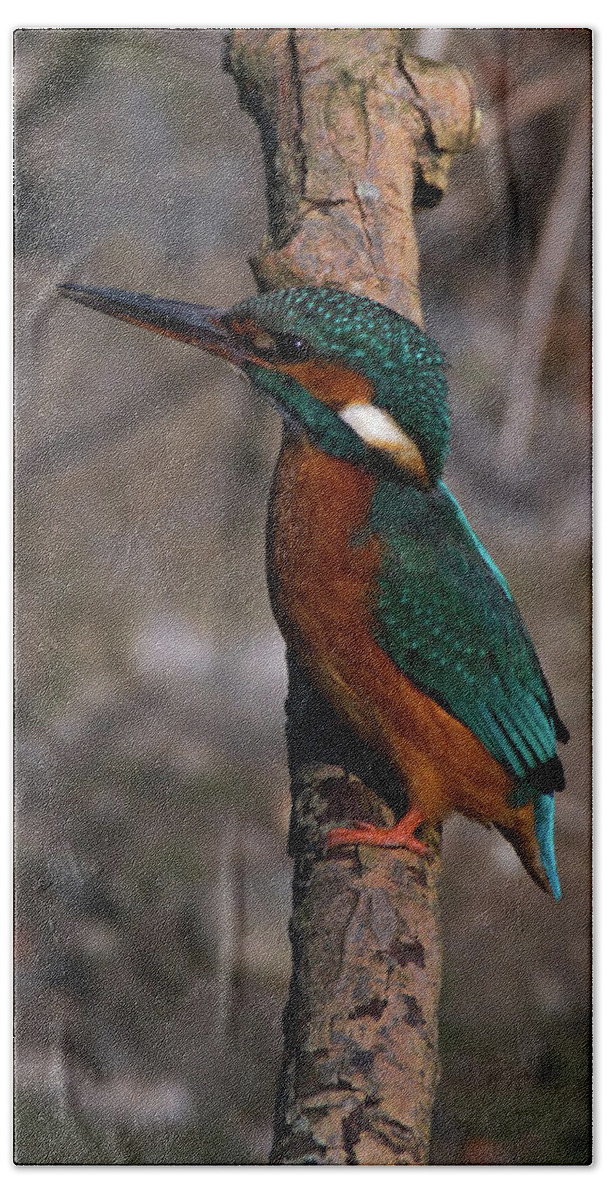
(402, 362)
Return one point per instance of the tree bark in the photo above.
(356, 133)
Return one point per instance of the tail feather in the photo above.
(544, 821)
(530, 832)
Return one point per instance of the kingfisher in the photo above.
(378, 583)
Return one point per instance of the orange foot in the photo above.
(364, 834)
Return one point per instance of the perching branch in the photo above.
(355, 134)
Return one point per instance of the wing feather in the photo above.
(446, 617)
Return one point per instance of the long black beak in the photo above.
(206, 328)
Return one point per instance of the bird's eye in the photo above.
(272, 347)
(291, 347)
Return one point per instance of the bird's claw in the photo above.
(363, 833)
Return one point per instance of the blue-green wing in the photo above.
(445, 616)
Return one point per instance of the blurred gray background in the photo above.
(153, 884)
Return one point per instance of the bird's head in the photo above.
(364, 383)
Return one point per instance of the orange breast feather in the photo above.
(322, 574)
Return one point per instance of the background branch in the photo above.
(564, 213)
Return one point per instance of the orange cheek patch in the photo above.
(256, 335)
(330, 382)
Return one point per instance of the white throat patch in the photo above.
(376, 427)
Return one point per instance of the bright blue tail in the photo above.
(544, 820)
